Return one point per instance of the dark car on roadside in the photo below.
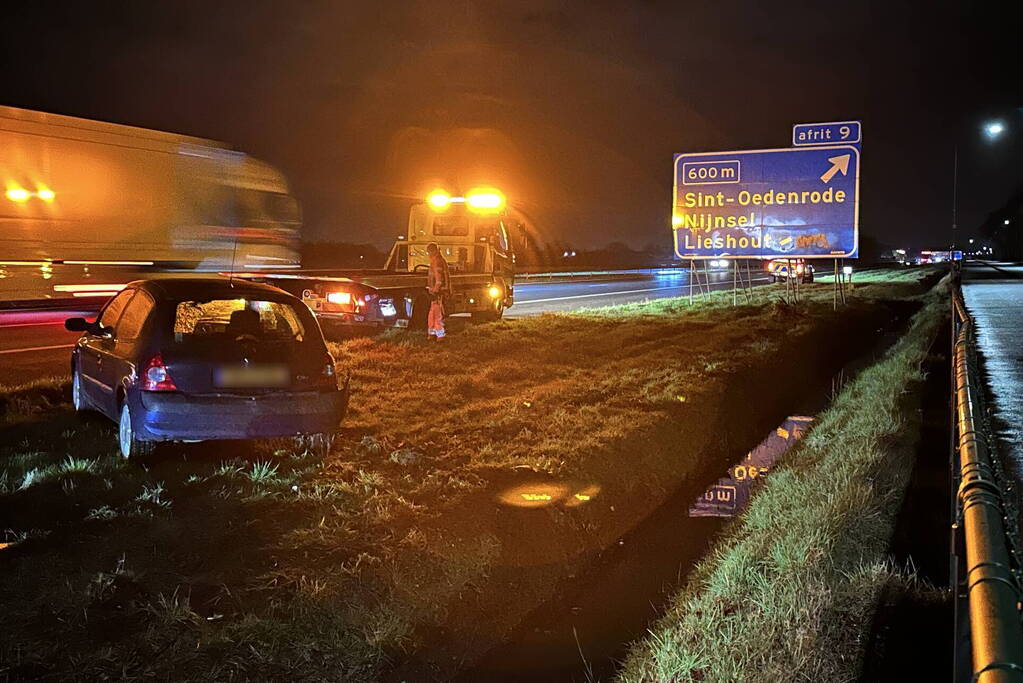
(193, 359)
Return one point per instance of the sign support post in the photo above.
(834, 289)
(735, 276)
(692, 274)
(749, 281)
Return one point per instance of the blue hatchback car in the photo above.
(192, 359)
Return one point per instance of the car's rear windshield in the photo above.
(236, 320)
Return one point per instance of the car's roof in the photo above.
(208, 288)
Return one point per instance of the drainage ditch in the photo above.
(910, 615)
(585, 632)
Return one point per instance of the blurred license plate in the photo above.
(251, 376)
(387, 308)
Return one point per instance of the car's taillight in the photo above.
(156, 377)
(328, 377)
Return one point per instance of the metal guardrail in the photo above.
(991, 572)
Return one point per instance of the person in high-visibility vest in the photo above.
(438, 285)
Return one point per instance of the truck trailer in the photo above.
(88, 206)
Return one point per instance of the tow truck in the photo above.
(471, 231)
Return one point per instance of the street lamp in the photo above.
(994, 129)
(1005, 222)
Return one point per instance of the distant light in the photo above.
(994, 129)
(18, 194)
(46, 194)
(971, 240)
(439, 199)
(1005, 222)
(847, 270)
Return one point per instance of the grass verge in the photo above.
(224, 561)
(790, 590)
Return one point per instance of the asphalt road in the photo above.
(560, 297)
(35, 344)
(994, 296)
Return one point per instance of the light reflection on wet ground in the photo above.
(729, 496)
(534, 494)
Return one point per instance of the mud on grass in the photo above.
(228, 561)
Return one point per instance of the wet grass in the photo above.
(224, 561)
(789, 592)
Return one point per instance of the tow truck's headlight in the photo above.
(494, 292)
(340, 298)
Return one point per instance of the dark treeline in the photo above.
(1004, 228)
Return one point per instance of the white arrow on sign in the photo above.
(839, 163)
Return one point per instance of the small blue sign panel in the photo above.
(771, 203)
(833, 133)
(730, 494)
(957, 255)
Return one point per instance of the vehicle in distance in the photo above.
(200, 358)
(471, 231)
(782, 269)
(87, 206)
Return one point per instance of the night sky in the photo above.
(574, 108)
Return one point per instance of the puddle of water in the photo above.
(729, 496)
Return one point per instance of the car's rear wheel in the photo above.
(78, 399)
(130, 447)
(491, 314)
